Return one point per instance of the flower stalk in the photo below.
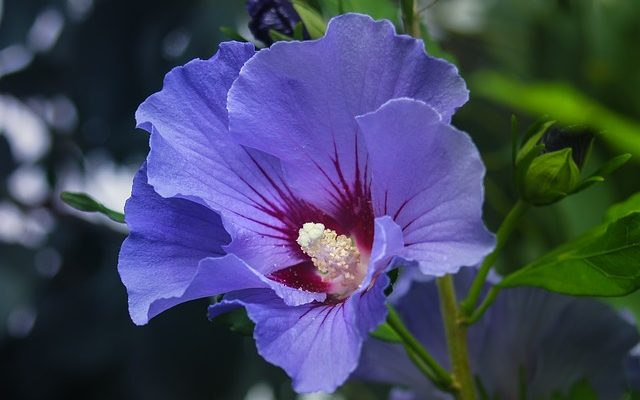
(483, 307)
(418, 354)
(456, 334)
(410, 18)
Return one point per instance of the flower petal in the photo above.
(401, 394)
(388, 363)
(430, 184)
(528, 333)
(193, 157)
(387, 243)
(317, 345)
(298, 100)
(167, 240)
(632, 369)
(230, 273)
(556, 344)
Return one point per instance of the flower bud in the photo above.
(548, 166)
(550, 177)
(276, 15)
(578, 138)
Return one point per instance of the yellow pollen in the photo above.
(332, 254)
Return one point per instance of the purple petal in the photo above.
(193, 157)
(401, 394)
(318, 345)
(230, 273)
(558, 340)
(632, 369)
(168, 257)
(369, 306)
(387, 243)
(298, 100)
(528, 333)
(430, 184)
(167, 240)
(368, 302)
(388, 363)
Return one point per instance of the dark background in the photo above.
(72, 73)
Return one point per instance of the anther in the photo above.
(335, 256)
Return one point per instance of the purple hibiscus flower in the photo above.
(530, 339)
(289, 179)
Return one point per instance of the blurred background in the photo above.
(72, 73)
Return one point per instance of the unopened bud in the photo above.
(276, 15)
(548, 165)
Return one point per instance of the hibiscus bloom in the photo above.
(291, 178)
(530, 340)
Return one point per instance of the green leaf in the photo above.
(530, 150)
(237, 321)
(532, 139)
(83, 202)
(298, 31)
(386, 333)
(604, 262)
(279, 37)
(580, 390)
(610, 166)
(311, 19)
(619, 210)
(587, 183)
(378, 9)
(604, 171)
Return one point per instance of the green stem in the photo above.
(486, 303)
(508, 225)
(456, 334)
(426, 371)
(428, 365)
(410, 18)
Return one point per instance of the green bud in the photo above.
(548, 164)
(550, 177)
